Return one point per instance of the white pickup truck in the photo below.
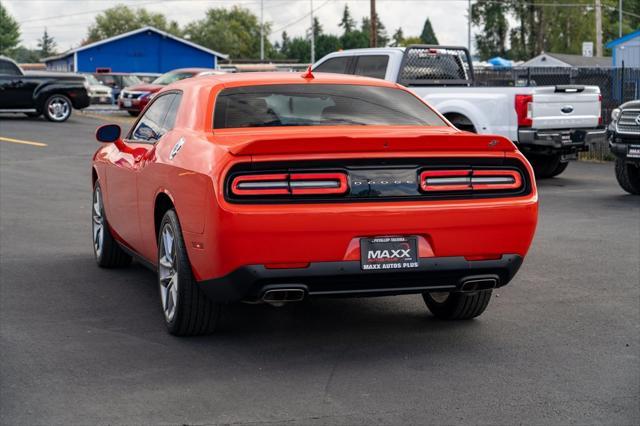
(550, 124)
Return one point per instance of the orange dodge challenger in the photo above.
(276, 187)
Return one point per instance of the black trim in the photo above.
(346, 279)
(410, 166)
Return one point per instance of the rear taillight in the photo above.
(290, 184)
(469, 180)
(523, 110)
(600, 107)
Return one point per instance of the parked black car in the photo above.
(50, 94)
(624, 141)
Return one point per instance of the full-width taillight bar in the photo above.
(290, 184)
(469, 180)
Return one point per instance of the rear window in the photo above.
(320, 105)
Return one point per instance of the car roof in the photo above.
(193, 70)
(263, 78)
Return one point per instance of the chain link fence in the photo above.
(617, 85)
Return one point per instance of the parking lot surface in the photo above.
(559, 345)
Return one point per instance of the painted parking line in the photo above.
(22, 142)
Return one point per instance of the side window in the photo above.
(334, 65)
(150, 127)
(170, 119)
(372, 66)
(8, 68)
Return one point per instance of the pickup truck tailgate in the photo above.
(565, 107)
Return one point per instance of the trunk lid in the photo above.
(566, 107)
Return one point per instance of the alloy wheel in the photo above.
(98, 222)
(58, 108)
(168, 272)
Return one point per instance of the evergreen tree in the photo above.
(47, 45)
(347, 23)
(398, 38)
(9, 32)
(381, 32)
(428, 36)
(492, 18)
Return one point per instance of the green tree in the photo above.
(381, 32)
(284, 46)
(47, 45)
(9, 32)
(411, 40)
(234, 31)
(355, 39)
(491, 17)
(327, 43)
(347, 23)
(397, 39)
(300, 49)
(428, 36)
(22, 55)
(122, 19)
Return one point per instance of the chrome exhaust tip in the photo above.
(478, 284)
(283, 295)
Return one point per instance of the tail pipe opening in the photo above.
(279, 296)
(478, 283)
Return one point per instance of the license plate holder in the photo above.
(389, 253)
(126, 103)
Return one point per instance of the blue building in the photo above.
(144, 50)
(626, 49)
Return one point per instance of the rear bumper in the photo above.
(346, 279)
(566, 139)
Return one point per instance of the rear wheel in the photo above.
(107, 252)
(187, 311)
(547, 166)
(628, 176)
(457, 306)
(57, 108)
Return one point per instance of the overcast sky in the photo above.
(67, 20)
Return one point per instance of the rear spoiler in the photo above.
(433, 65)
(460, 142)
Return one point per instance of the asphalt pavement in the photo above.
(82, 345)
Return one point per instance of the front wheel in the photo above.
(187, 311)
(457, 306)
(628, 176)
(57, 108)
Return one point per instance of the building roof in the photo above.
(576, 60)
(623, 39)
(134, 32)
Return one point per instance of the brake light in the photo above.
(523, 110)
(290, 184)
(469, 180)
(600, 106)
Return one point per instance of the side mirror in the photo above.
(108, 133)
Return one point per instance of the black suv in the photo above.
(50, 94)
(624, 141)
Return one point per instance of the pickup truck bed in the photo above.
(549, 124)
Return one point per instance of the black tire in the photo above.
(57, 108)
(108, 253)
(546, 166)
(193, 313)
(134, 113)
(458, 306)
(628, 176)
(560, 168)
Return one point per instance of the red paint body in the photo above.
(222, 236)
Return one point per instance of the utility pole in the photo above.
(469, 26)
(620, 19)
(598, 29)
(313, 36)
(262, 30)
(373, 37)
